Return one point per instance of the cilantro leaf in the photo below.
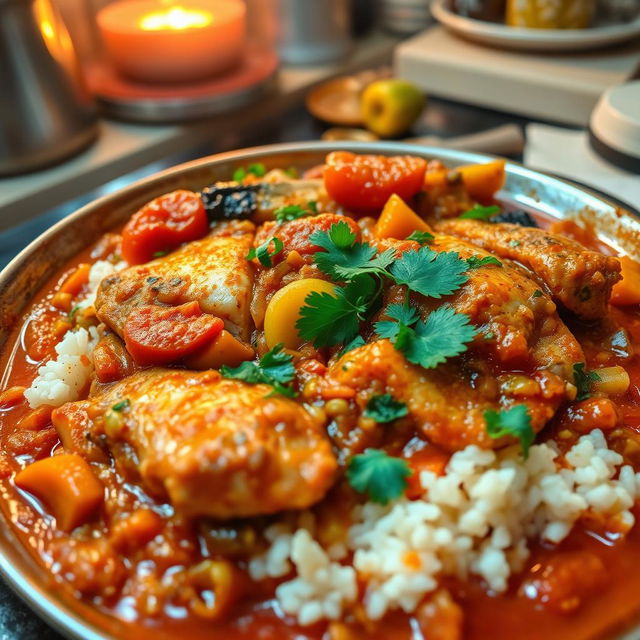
(431, 273)
(292, 172)
(275, 368)
(583, 380)
(122, 405)
(263, 254)
(402, 314)
(536, 294)
(343, 258)
(380, 476)
(445, 334)
(480, 213)
(257, 169)
(421, 237)
(385, 408)
(475, 263)
(295, 211)
(358, 341)
(515, 421)
(329, 320)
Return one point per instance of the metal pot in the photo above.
(29, 271)
(46, 113)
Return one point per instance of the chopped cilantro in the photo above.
(515, 421)
(385, 408)
(263, 253)
(335, 319)
(343, 258)
(159, 254)
(292, 172)
(583, 380)
(444, 334)
(536, 294)
(480, 213)
(401, 314)
(257, 169)
(514, 243)
(475, 263)
(122, 405)
(380, 476)
(431, 273)
(275, 368)
(73, 311)
(358, 341)
(421, 237)
(295, 211)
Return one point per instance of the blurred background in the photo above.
(98, 93)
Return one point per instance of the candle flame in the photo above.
(175, 18)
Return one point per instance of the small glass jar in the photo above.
(550, 14)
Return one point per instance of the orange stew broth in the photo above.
(612, 603)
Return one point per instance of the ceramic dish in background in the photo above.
(500, 35)
(24, 276)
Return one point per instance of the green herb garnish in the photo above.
(275, 368)
(475, 263)
(257, 169)
(515, 421)
(583, 380)
(385, 408)
(358, 341)
(431, 273)
(480, 213)
(329, 320)
(536, 294)
(263, 253)
(120, 406)
(421, 237)
(295, 211)
(343, 258)
(159, 254)
(514, 243)
(443, 335)
(380, 476)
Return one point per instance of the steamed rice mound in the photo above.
(478, 518)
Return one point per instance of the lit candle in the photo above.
(188, 40)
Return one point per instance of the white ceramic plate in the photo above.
(500, 35)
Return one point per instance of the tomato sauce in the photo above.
(609, 605)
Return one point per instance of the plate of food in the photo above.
(326, 392)
(603, 31)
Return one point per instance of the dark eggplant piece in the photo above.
(519, 217)
(232, 201)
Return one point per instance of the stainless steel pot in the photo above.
(28, 272)
(46, 113)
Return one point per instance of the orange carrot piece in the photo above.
(66, 485)
(222, 350)
(11, 397)
(76, 280)
(481, 181)
(37, 419)
(398, 220)
(627, 291)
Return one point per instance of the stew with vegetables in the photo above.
(364, 402)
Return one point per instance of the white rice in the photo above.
(478, 518)
(62, 379)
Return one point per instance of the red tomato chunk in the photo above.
(163, 225)
(157, 335)
(363, 183)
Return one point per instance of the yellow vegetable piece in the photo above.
(627, 291)
(482, 180)
(283, 311)
(66, 485)
(613, 380)
(398, 220)
(223, 350)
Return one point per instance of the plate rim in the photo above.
(16, 561)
